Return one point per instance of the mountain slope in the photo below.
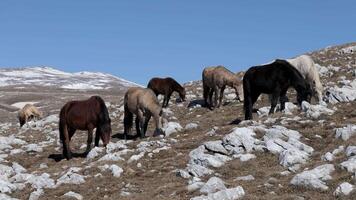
(50, 77)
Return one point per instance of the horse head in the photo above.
(304, 94)
(105, 132)
(182, 94)
(237, 85)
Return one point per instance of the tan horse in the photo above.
(216, 79)
(143, 103)
(27, 113)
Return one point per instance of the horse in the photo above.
(217, 78)
(84, 115)
(143, 103)
(305, 65)
(274, 78)
(166, 86)
(27, 113)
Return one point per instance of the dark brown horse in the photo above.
(84, 115)
(166, 86)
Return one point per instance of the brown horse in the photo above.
(143, 103)
(217, 78)
(84, 115)
(27, 113)
(166, 86)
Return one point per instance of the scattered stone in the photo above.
(314, 178)
(191, 126)
(213, 185)
(346, 132)
(172, 127)
(228, 194)
(35, 195)
(344, 189)
(73, 195)
(245, 178)
(315, 111)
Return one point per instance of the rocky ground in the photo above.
(302, 153)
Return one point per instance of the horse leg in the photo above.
(148, 117)
(97, 137)
(89, 141)
(274, 101)
(168, 98)
(128, 118)
(211, 93)
(283, 99)
(140, 119)
(221, 95)
(137, 123)
(206, 94)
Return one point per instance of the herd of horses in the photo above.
(273, 79)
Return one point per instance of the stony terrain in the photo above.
(302, 153)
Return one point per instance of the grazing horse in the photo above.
(217, 78)
(84, 115)
(27, 113)
(166, 86)
(274, 78)
(143, 103)
(305, 65)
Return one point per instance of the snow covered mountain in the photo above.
(50, 77)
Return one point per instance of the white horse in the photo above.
(305, 65)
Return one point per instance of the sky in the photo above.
(138, 40)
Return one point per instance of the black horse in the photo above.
(275, 79)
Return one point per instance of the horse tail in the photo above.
(62, 124)
(63, 132)
(247, 96)
(128, 118)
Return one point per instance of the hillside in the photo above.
(298, 154)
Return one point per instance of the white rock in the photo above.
(35, 195)
(213, 185)
(344, 189)
(245, 178)
(314, 178)
(71, 177)
(73, 195)
(137, 157)
(94, 152)
(172, 127)
(33, 148)
(6, 197)
(351, 151)
(328, 157)
(195, 186)
(116, 170)
(350, 164)
(314, 111)
(346, 132)
(245, 157)
(191, 126)
(346, 93)
(215, 146)
(228, 194)
(121, 144)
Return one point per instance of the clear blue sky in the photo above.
(137, 40)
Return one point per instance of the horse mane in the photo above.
(104, 114)
(175, 84)
(299, 81)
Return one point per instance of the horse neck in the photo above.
(177, 87)
(298, 82)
